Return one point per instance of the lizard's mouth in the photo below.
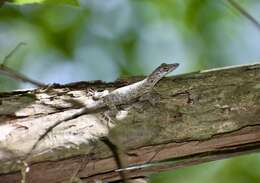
(175, 65)
(169, 67)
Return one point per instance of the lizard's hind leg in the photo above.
(153, 98)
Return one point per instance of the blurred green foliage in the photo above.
(107, 39)
(54, 2)
(241, 169)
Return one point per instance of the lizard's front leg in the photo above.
(96, 95)
(109, 100)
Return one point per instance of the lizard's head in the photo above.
(161, 71)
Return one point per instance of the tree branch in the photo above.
(14, 74)
(198, 117)
(244, 13)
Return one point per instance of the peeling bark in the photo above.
(197, 117)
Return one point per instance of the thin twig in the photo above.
(24, 170)
(18, 76)
(82, 165)
(114, 149)
(243, 12)
(12, 52)
(14, 74)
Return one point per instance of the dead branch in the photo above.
(198, 117)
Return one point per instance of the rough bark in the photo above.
(197, 117)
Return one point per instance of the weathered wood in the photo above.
(197, 117)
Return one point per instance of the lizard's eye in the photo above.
(165, 69)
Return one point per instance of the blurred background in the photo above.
(105, 40)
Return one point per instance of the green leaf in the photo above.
(52, 2)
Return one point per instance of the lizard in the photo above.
(127, 93)
(122, 95)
